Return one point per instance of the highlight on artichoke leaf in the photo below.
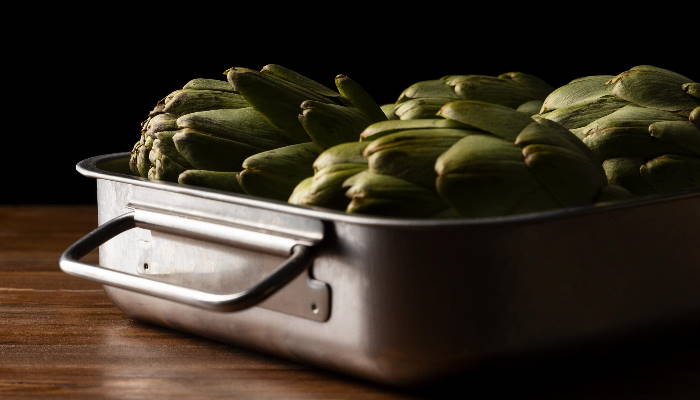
(458, 146)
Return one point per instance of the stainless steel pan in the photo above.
(400, 301)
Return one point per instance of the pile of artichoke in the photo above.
(642, 124)
(459, 146)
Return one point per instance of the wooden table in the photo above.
(61, 337)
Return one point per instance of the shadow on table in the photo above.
(663, 363)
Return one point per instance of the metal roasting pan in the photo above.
(399, 301)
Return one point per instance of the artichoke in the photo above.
(326, 117)
(204, 126)
(512, 89)
(485, 158)
(275, 173)
(208, 131)
(642, 124)
(516, 164)
(377, 194)
(463, 145)
(330, 170)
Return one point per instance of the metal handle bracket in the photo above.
(299, 259)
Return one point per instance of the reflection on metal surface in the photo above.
(411, 299)
(299, 261)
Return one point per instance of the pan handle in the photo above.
(70, 263)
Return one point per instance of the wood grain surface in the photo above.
(61, 338)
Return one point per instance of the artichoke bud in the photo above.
(203, 151)
(244, 125)
(189, 100)
(422, 108)
(383, 128)
(275, 173)
(569, 177)
(226, 181)
(330, 124)
(483, 176)
(359, 98)
(544, 131)
(504, 122)
(331, 169)
(325, 188)
(208, 84)
(410, 155)
(275, 98)
(376, 194)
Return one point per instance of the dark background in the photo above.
(83, 88)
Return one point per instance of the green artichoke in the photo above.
(460, 146)
(642, 124)
(203, 126)
(482, 159)
(516, 164)
(275, 173)
(331, 169)
(385, 195)
(327, 118)
(512, 89)
(211, 127)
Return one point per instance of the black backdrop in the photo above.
(83, 90)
